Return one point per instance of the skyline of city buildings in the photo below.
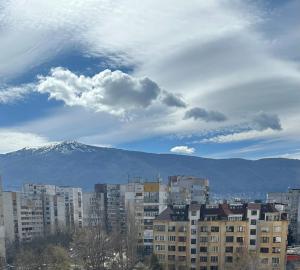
(199, 233)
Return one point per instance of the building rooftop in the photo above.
(216, 212)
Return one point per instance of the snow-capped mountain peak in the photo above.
(64, 147)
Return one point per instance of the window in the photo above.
(214, 229)
(264, 250)
(213, 239)
(229, 249)
(203, 239)
(181, 248)
(172, 238)
(203, 249)
(275, 250)
(252, 242)
(265, 229)
(228, 259)
(229, 228)
(159, 228)
(182, 229)
(264, 261)
(171, 248)
(203, 229)
(193, 222)
(181, 239)
(203, 268)
(254, 212)
(240, 239)
(240, 228)
(193, 241)
(214, 259)
(214, 249)
(159, 238)
(159, 247)
(252, 232)
(253, 222)
(229, 239)
(214, 267)
(194, 213)
(171, 228)
(193, 251)
(275, 260)
(161, 257)
(203, 259)
(193, 260)
(277, 239)
(264, 239)
(193, 231)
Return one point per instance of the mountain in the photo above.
(76, 164)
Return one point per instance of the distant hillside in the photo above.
(72, 163)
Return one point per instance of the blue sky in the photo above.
(208, 78)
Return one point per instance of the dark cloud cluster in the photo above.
(173, 100)
(263, 121)
(205, 115)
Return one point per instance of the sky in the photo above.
(216, 78)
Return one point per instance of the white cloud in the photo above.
(13, 94)
(240, 136)
(110, 91)
(15, 140)
(182, 149)
(293, 155)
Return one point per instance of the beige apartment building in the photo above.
(220, 237)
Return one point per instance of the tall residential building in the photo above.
(291, 199)
(23, 216)
(188, 189)
(144, 201)
(114, 214)
(93, 209)
(219, 237)
(2, 228)
(73, 206)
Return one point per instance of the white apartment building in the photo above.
(93, 208)
(23, 216)
(188, 189)
(73, 206)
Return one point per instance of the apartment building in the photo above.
(114, 212)
(188, 189)
(93, 209)
(40, 210)
(64, 201)
(155, 202)
(217, 237)
(291, 200)
(23, 216)
(73, 206)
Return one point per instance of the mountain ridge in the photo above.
(73, 163)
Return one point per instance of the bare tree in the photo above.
(92, 244)
(247, 260)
